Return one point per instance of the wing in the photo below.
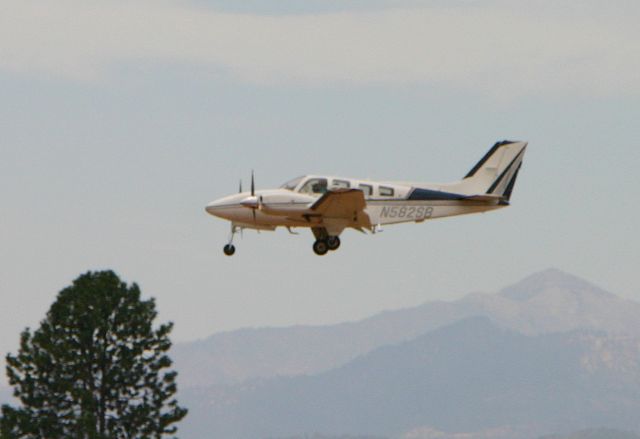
(340, 208)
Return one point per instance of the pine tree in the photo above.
(96, 368)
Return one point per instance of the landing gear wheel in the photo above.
(320, 247)
(229, 249)
(333, 242)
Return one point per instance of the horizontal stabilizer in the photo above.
(485, 197)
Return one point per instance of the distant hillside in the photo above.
(319, 436)
(600, 433)
(469, 376)
(549, 301)
(501, 432)
(511, 433)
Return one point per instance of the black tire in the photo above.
(229, 249)
(320, 247)
(333, 242)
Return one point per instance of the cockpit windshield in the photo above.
(292, 184)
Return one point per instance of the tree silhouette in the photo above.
(95, 369)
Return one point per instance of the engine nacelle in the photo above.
(284, 203)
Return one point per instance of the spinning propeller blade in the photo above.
(252, 202)
(253, 194)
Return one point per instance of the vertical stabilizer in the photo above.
(496, 172)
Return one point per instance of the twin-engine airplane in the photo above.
(328, 205)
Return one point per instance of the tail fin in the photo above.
(496, 172)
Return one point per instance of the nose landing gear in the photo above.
(229, 249)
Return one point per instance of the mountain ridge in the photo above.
(528, 287)
(597, 433)
(515, 380)
(550, 301)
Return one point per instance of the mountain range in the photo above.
(469, 376)
(550, 354)
(599, 433)
(549, 301)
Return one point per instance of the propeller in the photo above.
(252, 202)
(240, 187)
(253, 194)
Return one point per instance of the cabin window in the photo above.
(386, 191)
(340, 184)
(366, 188)
(315, 186)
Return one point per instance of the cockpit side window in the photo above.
(292, 184)
(315, 186)
(341, 184)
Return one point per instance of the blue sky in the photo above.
(121, 120)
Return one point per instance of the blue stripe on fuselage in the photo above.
(428, 194)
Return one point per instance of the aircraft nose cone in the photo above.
(223, 207)
(214, 207)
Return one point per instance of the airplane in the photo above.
(328, 204)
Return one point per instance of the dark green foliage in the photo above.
(96, 368)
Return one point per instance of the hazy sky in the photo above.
(120, 120)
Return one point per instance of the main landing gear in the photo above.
(324, 242)
(333, 242)
(322, 246)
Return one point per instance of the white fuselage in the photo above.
(386, 203)
(329, 205)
